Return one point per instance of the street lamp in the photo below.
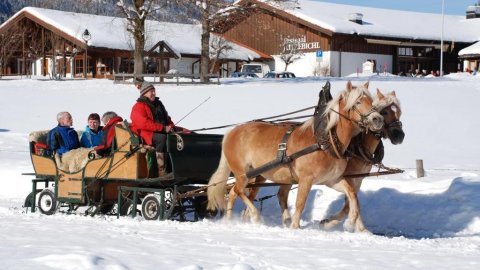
(86, 37)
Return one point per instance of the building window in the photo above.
(404, 51)
(78, 66)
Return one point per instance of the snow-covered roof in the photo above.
(110, 32)
(385, 22)
(473, 49)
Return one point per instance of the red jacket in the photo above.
(108, 133)
(143, 123)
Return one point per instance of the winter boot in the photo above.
(160, 163)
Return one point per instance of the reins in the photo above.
(263, 119)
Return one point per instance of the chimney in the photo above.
(473, 12)
(355, 17)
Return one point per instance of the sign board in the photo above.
(319, 54)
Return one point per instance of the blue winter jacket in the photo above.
(62, 139)
(89, 138)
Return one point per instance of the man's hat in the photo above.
(146, 86)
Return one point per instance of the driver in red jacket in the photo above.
(150, 120)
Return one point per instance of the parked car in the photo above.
(283, 74)
(237, 74)
(258, 68)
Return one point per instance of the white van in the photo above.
(260, 69)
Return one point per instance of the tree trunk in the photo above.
(138, 56)
(139, 34)
(205, 42)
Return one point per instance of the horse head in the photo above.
(356, 105)
(389, 107)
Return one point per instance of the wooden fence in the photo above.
(166, 78)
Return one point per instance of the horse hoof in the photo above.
(287, 222)
(328, 224)
(364, 231)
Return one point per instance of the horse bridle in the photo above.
(363, 123)
(387, 126)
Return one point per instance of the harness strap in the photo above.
(282, 157)
(288, 159)
(282, 146)
(334, 145)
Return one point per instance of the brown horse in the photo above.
(389, 107)
(254, 144)
(365, 147)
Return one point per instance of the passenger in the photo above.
(137, 81)
(93, 132)
(109, 119)
(150, 120)
(62, 138)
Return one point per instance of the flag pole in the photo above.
(441, 39)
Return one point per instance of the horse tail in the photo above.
(217, 186)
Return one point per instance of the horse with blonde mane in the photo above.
(318, 159)
(367, 150)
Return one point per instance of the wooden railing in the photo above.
(166, 78)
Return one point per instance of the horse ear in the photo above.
(379, 94)
(393, 93)
(349, 86)
(366, 84)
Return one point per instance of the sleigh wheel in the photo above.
(29, 200)
(47, 203)
(151, 207)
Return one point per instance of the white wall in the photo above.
(302, 67)
(37, 66)
(184, 65)
(352, 62)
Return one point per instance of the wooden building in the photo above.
(333, 39)
(54, 43)
(471, 58)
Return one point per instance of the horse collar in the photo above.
(336, 144)
(357, 149)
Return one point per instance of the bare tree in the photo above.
(218, 47)
(290, 51)
(136, 14)
(207, 9)
(8, 44)
(213, 16)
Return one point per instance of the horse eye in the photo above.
(383, 113)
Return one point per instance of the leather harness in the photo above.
(283, 158)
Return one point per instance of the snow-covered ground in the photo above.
(427, 223)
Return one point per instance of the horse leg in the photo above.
(231, 201)
(354, 214)
(354, 221)
(240, 191)
(252, 194)
(332, 221)
(282, 195)
(302, 195)
(329, 223)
